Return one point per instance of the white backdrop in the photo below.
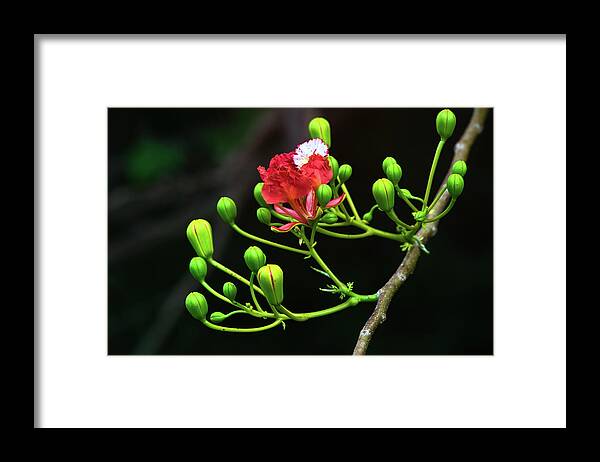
(522, 385)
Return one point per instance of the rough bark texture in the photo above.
(406, 268)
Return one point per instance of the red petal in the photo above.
(317, 170)
(285, 228)
(335, 201)
(283, 180)
(287, 212)
(311, 204)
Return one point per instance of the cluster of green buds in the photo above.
(268, 276)
(387, 189)
(330, 207)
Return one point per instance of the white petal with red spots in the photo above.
(307, 149)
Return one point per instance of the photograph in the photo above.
(300, 231)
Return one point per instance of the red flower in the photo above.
(293, 178)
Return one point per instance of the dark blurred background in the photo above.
(167, 167)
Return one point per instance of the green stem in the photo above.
(267, 242)
(343, 287)
(253, 295)
(348, 221)
(227, 315)
(335, 225)
(405, 199)
(365, 227)
(222, 297)
(371, 211)
(342, 207)
(219, 295)
(443, 214)
(322, 264)
(357, 297)
(344, 236)
(432, 171)
(437, 197)
(397, 220)
(378, 232)
(288, 313)
(350, 203)
(313, 230)
(316, 314)
(239, 330)
(335, 210)
(365, 298)
(233, 274)
(353, 300)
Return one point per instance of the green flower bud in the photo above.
(460, 167)
(319, 128)
(329, 218)
(455, 185)
(196, 305)
(384, 194)
(264, 215)
(445, 123)
(199, 233)
(198, 268)
(367, 217)
(394, 173)
(230, 290)
(335, 166)
(258, 194)
(270, 280)
(345, 173)
(227, 210)
(254, 258)
(217, 317)
(387, 162)
(324, 194)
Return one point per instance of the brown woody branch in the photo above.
(406, 268)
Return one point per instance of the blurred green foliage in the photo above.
(149, 160)
(228, 133)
